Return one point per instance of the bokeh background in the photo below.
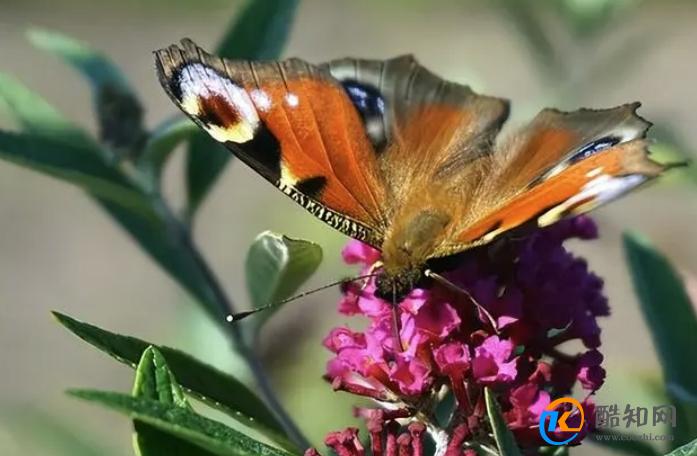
(59, 251)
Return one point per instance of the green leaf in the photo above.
(590, 18)
(118, 109)
(34, 115)
(621, 443)
(672, 147)
(52, 145)
(689, 449)
(155, 381)
(502, 435)
(275, 268)
(526, 18)
(74, 163)
(669, 314)
(151, 441)
(554, 451)
(208, 434)
(160, 144)
(258, 33)
(96, 67)
(170, 245)
(206, 383)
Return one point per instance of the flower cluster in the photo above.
(523, 299)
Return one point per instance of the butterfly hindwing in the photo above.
(562, 164)
(292, 123)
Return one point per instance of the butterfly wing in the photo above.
(421, 126)
(389, 93)
(363, 143)
(562, 164)
(292, 123)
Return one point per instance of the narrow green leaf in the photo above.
(258, 33)
(74, 163)
(180, 422)
(118, 109)
(96, 67)
(526, 18)
(155, 381)
(34, 115)
(206, 383)
(161, 142)
(621, 443)
(170, 247)
(689, 449)
(669, 314)
(276, 267)
(151, 441)
(590, 19)
(554, 451)
(205, 161)
(52, 145)
(502, 435)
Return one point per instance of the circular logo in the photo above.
(551, 419)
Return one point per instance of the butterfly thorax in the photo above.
(406, 248)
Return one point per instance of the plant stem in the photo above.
(266, 391)
(248, 354)
(225, 307)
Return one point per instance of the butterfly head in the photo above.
(395, 287)
(406, 249)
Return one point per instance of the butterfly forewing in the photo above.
(292, 123)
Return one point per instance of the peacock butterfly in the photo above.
(395, 156)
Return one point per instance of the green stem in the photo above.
(247, 353)
(225, 307)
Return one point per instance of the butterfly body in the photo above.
(397, 157)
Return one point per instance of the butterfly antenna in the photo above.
(678, 164)
(451, 286)
(235, 317)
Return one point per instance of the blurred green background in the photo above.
(58, 251)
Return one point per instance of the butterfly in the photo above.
(390, 154)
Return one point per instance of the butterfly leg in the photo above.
(396, 323)
(366, 280)
(451, 286)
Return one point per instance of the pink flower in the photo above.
(590, 374)
(357, 252)
(452, 358)
(492, 363)
(386, 439)
(431, 318)
(539, 295)
(411, 374)
(528, 402)
(345, 442)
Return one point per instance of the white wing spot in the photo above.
(594, 172)
(596, 192)
(261, 100)
(292, 100)
(198, 81)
